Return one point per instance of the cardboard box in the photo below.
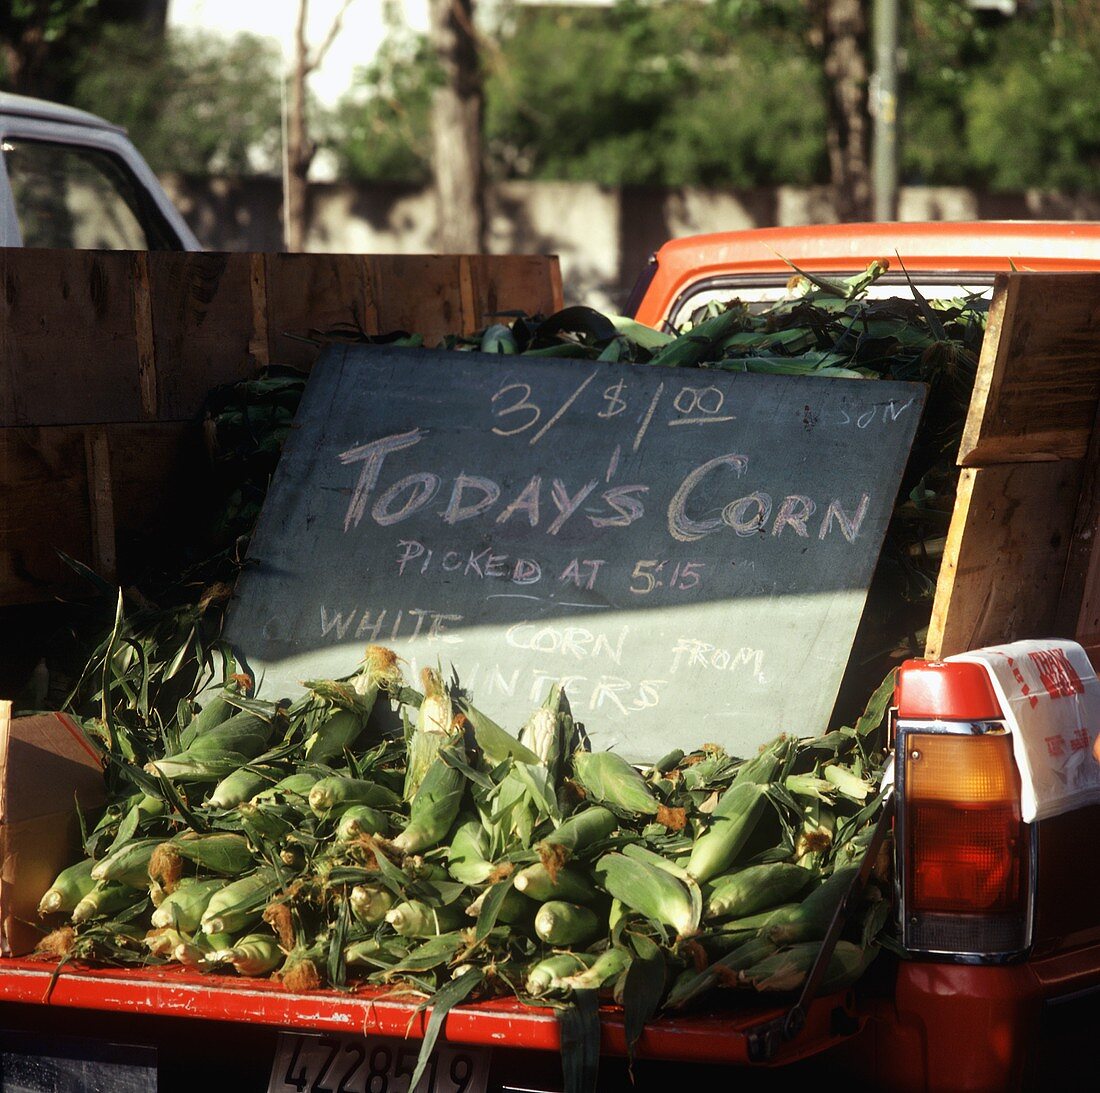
(46, 766)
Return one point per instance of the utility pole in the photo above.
(884, 104)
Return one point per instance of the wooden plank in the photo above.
(258, 347)
(1039, 377)
(143, 332)
(43, 481)
(312, 291)
(528, 283)
(97, 454)
(1079, 599)
(1005, 555)
(419, 293)
(203, 312)
(71, 353)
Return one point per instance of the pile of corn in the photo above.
(454, 859)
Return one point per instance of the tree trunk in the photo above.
(456, 129)
(299, 149)
(841, 40)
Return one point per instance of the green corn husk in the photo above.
(378, 670)
(560, 923)
(183, 909)
(107, 898)
(466, 857)
(70, 886)
(216, 711)
(220, 852)
(434, 808)
(548, 975)
(787, 969)
(240, 786)
(296, 785)
(513, 910)
(536, 883)
(198, 951)
(360, 820)
(245, 735)
(241, 903)
(163, 941)
(608, 966)
(435, 726)
(370, 903)
(732, 822)
(186, 768)
(847, 783)
(414, 918)
(755, 889)
(127, 865)
(254, 954)
(763, 767)
(610, 779)
(548, 732)
(376, 952)
(693, 985)
(334, 795)
(581, 830)
(815, 912)
(649, 890)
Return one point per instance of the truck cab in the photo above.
(71, 180)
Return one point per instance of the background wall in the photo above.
(603, 235)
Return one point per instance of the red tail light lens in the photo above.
(965, 848)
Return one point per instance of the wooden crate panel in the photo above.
(1005, 555)
(515, 282)
(313, 291)
(1039, 379)
(69, 350)
(422, 294)
(203, 323)
(46, 509)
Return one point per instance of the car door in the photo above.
(81, 187)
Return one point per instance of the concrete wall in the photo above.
(602, 235)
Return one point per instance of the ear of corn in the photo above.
(360, 820)
(548, 976)
(254, 954)
(106, 898)
(219, 852)
(815, 912)
(240, 903)
(466, 857)
(127, 865)
(69, 887)
(370, 903)
(236, 788)
(610, 779)
(414, 918)
(755, 889)
(434, 808)
(334, 795)
(293, 787)
(732, 822)
(536, 883)
(184, 908)
(604, 970)
(561, 923)
(649, 890)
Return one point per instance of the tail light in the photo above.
(965, 854)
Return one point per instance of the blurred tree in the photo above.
(457, 109)
(300, 146)
(195, 103)
(37, 40)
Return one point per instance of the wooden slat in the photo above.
(71, 354)
(101, 501)
(1039, 379)
(419, 293)
(514, 282)
(143, 332)
(315, 291)
(1079, 599)
(202, 309)
(44, 486)
(1005, 555)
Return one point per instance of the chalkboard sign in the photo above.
(688, 550)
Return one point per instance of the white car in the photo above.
(69, 179)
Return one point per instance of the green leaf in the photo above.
(580, 1042)
(643, 989)
(490, 908)
(442, 1002)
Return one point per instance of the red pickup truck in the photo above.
(1000, 912)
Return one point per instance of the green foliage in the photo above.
(380, 130)
(38, 39)
(194, 103)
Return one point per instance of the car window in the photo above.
(71, 196)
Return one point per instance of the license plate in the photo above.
(307, 1063)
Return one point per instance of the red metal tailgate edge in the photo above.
(504, 1022)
